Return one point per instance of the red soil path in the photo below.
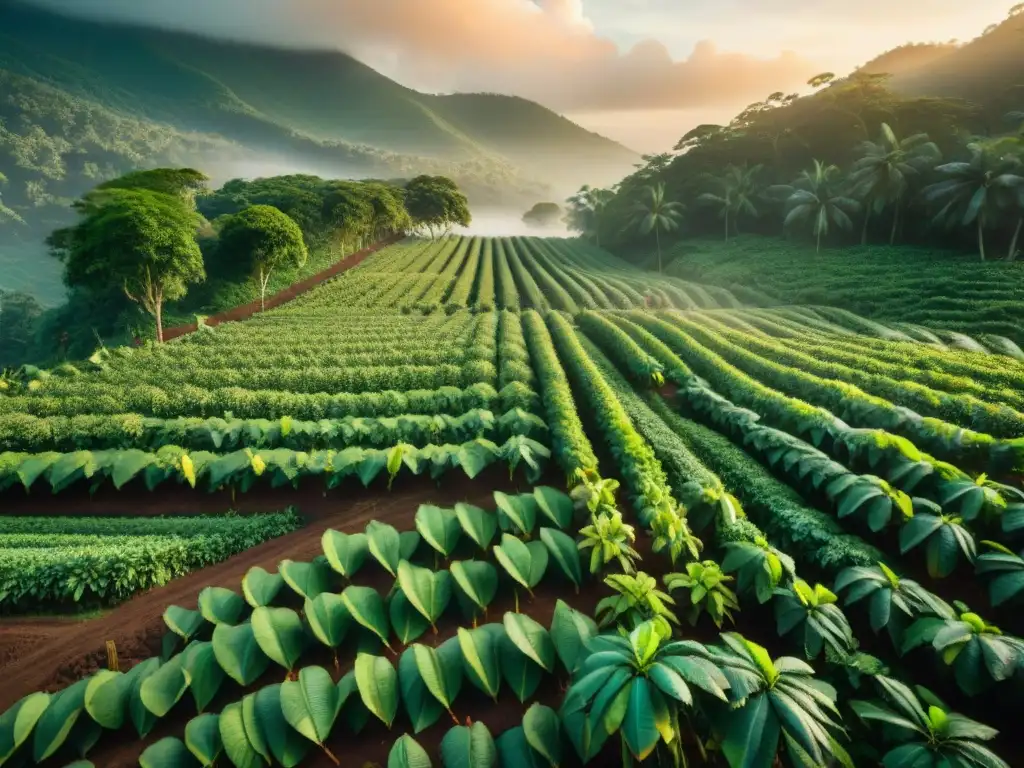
(246, 311)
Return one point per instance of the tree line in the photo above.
(148, 238)
(853, 160)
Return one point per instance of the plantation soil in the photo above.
(48, 654)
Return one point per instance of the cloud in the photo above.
(546, 50)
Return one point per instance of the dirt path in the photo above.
(47, 654)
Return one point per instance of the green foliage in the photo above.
(706, 584)
(260, 239)
(435, 203)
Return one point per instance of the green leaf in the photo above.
(520, 510)
(311, 704)
(366, 606)
(233, 735)
(481, 657)
(408, 623)
(345, 552)
(384, 544)
(420, 704)
(16, 723)
(169, 752)
(563, 550)
(202, 737)
(639, 728)
(165, 687)
(477, 580)
(238, 653)
(469, 747)
(531, 638)
(555, 505)
(261, 587)
(570, 631)
(141, 718)
(106, 700)
(378, 686)
(407, 753)
(280, 634)
(428, 591)
(479, 524)
(183, 622)
(515, 750)
(284, 743)
(543, 733)
(54, 725)
(475, 456)
(328, 618)
(439, 528)
(220, 606)
(307, 579)
(205, 674)
(525, 563)
(440, 669)
(520, 673)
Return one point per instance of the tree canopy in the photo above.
(436, 204)
(543, 215)
(141, 241)
(262, 239)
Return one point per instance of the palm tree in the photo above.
(736, 190)
(815, 198)
(974, 192)
(656, 213)
(883, 174)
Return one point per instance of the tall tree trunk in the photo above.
(981, 237)
(264, 279)
(727, 225)
(817, 250)
(159, 307)
(864, 229)
(1012, 255)
(657, 239)
(895, 223)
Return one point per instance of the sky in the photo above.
(640, 71)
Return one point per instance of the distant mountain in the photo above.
(988, 71)
(907, 59)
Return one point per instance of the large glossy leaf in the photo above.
(202, 737)
(563, 550)
(481, 656)
(221, 606)
(543, 732)
(554, 505)
(520, 673)
(407, 753)
(17, 723)
(238, 653)
(479, 524)
(378, 686)
(514, 749)
(469, 747)
(428, 591)
(307, 579)
(570, 631)
(420, 705)
(280, 634)
(183, 622)
(328, 618)
(441, 669)
(205, 674)
(639, 727)
(106, 699)
(477, 580)
(287, 747)
(260, 587)
(346, 552)
(517, 512)
(235, 739)
(475, 456)
(169, 752)
(752, 734)
(524, 562)
(57, 719)
(439, 528)
(531, 638)
(366, 606)
(165, 687)
(407, 622)
(384, 544)
(311, 704)
(141, 718)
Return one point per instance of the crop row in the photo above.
(281, 466)
(53, 562)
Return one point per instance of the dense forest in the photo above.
(864, 158)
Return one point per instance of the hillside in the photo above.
(907, 59)
(989, 70)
